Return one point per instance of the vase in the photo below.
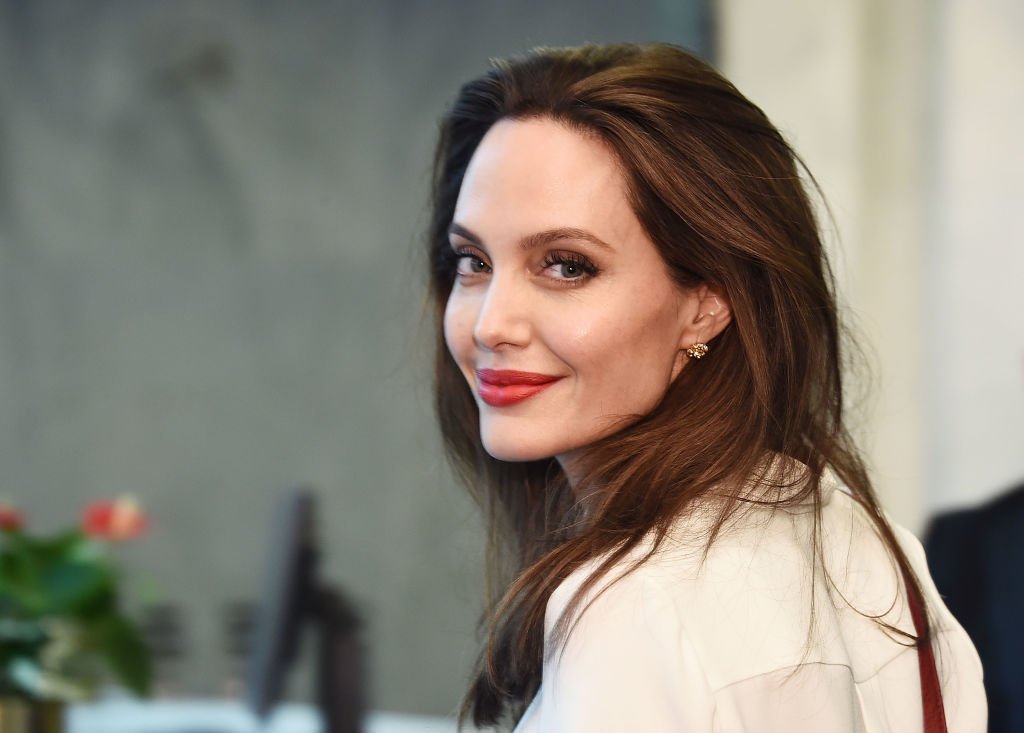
(18, 715)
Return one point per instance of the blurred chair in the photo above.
(238, 620)
(163, 629)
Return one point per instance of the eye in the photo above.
(569, 267)
(469, 263)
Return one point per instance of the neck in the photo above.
(574, 470)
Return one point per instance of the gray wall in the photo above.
(210, 289)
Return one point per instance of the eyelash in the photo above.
(586, 267)
(571, 259)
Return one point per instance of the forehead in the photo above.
(538, 173)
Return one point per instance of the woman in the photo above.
(638, 375)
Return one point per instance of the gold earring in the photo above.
(698, 350)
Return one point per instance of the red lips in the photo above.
(502, 387)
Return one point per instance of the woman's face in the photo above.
(563, 317)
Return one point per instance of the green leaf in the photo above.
(66, 574)
(19, 580)
(62, 545)
(70, 587)
(67, 578)
(117, 639)
(19, 631)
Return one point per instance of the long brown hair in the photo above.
(719, 192)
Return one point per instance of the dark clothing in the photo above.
(976, 558)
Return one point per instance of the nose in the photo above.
(503, 319)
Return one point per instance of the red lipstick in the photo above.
(502, 387)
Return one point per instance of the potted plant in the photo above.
(63, 633)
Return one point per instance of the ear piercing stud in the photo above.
(698, 350)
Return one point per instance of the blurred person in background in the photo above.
(976, 556)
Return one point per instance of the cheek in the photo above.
(458, 326)
(581, 336)
(621, 347)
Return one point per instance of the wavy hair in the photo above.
(719, 192)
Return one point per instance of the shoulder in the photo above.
(748, 629)
(754, 601)
(699, 641)
(725, 612)
(627, 663)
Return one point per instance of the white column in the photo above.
(844, 80)
(975, 297)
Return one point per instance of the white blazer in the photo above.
(752, 639)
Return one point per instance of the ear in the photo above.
(707, 313)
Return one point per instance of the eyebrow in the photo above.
(538, 239)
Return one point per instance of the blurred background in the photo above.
(211, 285)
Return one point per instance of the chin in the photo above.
(515, 453)
(513, 449)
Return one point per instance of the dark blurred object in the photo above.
(239, 621)
(977, 560)
(18, 715)
(163, 629)
(341, 670)
(292, 598)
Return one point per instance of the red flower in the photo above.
(120, 519)
(10, 518)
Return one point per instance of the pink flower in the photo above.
(10, 518)
(118, 519)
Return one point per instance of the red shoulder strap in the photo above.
(931, 691)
